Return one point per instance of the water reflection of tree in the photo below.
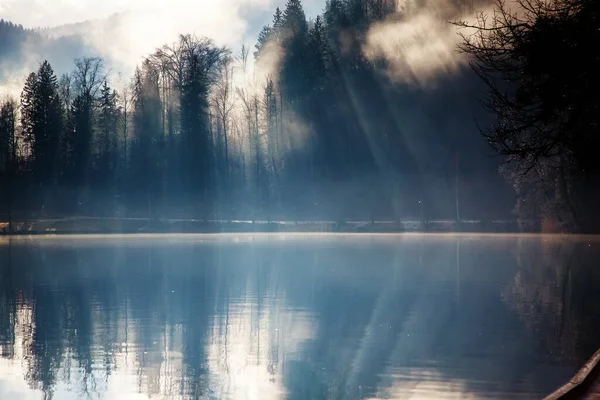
(151, 313)
(307, 321)
(363, 311)
(8, 305)
(555, 293)
(161, 310)
(81, 324)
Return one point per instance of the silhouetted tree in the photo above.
(8, 154)
(147, 142)
(201, 59)
(41, 119)
(8, 135)
(264, 36)
(108, 115)
(294, 30)
(547, 113)
(224, 103)
(87, 79)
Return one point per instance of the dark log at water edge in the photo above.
(584, 385)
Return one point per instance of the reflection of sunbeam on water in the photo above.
(249, 347)
(430, 385)
(246, 352)
(12, 367)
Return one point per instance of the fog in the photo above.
(336, 111)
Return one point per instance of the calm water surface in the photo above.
(295, 317)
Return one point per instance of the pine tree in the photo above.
(294, 19)
(28, 108)
(107, 134)
(41, 119)
(319, 55)
(8, 125)
(52, 109)
(335, 16)
(200, 66)
(294, 64)
(194, 123)
(263, 38)
(270, 113)
(145, 124)
(276, 31)
(8, 153)
(277, 20)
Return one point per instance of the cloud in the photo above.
(35, 13)
(417, 43)
(141, 25)
(130, 36)
(123, 32)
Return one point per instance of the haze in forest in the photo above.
(331, 110)
(250, 109)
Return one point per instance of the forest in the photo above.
(309, 125)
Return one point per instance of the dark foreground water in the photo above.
(296, 317)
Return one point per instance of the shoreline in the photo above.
(130, 226)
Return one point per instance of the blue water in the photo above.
(295, 316)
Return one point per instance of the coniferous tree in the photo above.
(8, 154)
(319, 54)
(200, 61)
(145, 151)
(41, 119)
(264, 37)
(270, 113)
(294, 19)
(272, 138)
(293, 67)
(277, 25)
(319, 70)
(107, 135)
(28, 107)
(8, 126)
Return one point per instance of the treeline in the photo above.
(310, 129)
(12, 37)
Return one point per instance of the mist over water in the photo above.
(295, 316)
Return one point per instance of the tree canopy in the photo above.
(541, 74)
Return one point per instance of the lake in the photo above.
(296, 316)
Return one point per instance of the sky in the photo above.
(418, 48)
(47, 13)
(148, 23)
